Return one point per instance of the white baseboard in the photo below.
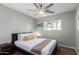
(77, 51)
(69, 47)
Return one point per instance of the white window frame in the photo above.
(55, 25)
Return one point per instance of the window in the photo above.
(52, 25)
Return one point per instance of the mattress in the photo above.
(28, 45)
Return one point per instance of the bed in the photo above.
(37, 46)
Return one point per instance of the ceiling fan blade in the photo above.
(40, 4)
(48, 6)
(36, 5)
(32, 10)
(48, 11)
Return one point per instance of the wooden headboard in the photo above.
(15, 36)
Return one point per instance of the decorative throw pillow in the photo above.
(29, 37)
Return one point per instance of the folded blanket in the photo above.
(37, 48)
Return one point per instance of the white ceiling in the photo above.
(57, 8)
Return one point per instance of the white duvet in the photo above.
(28, 45)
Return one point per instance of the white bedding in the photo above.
(28, 45)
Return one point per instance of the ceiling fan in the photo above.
(41, 9)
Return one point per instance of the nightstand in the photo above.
(6, 49)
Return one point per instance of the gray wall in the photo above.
(66, 36)
(12, 21)
(77, 29)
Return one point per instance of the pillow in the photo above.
(21, 36)
(35, 36)
(29, 37)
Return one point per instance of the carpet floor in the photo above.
(65, 51)
(60, 51)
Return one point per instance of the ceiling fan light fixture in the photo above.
(41, 12)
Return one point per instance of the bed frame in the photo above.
(15, 38)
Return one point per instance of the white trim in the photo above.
(77, 50)
(69, 47)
